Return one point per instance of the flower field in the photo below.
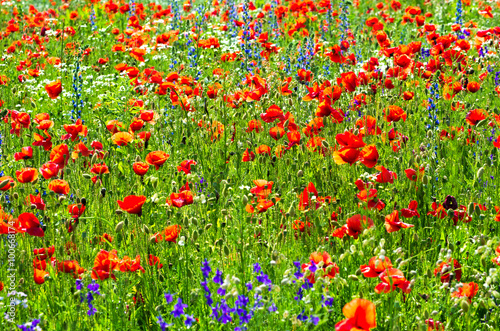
(239, 165)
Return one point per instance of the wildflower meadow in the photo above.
(250, 165)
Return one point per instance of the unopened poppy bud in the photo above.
(482, 240)
(429, 273)
(285, 125)
(245, 199)
(477, 210)
(87, 176)
(118, 212)
(138, 158)
(464, 305)
(119, 227)
(218, 242)
(425, 180)
(415, 236)
(224, 212)
(194, 221)
(451, 213)
(325, 144)
(226, 250)
(353, 278)
(495, 294)
(480, 173)
(4, 183)
(33, 206)
(195, 235)
(429, 133)
(300, 173)
(291, 211)
(145, 229)
(61, 198)
(470, 208)
(15, 196)
(152, 239)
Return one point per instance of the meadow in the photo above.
(239, 165)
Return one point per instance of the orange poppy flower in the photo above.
(60, 155)
(468, 290)
(59, 186)
(54, 89)
(132, 204)
(140, 168)
(361, 315)
(186, 166)
(394, 277)
(369, 156)
(99, 169)
(157, 158)
(40, 276)
(169, 234)
(26, 175)
(122, 138)
(394, 114)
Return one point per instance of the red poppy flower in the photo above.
(369, 156)
(394, 277)
(31, 225)
(60, 155)
(346, 155)
(25, 154)
(393, 224)
(26, 175)
(394, 114)
(49, 170)
(361, 315)
(6, 183)
(329, 268)
(445, 269)
(157, 158)
(54, 89)
(132, 204)
(36, 200)
(140, 168)
(375, 267)
(475, 116)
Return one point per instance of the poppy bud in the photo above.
(119, 227)
(480, 173)
(15, 196)
(4, 183)
(118, 212)
(291, 211)
(470, 208)
(464, 305)
(226, 250)
(137, 158)
(245, 199)
(61, 198)
(87, 176)
(195, 235)
(325, 144)
(451, 213)
(300, 173)
(353, 278)
(482, 240)
(103, 192)
(425, 180)
(218, 242)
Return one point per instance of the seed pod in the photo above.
(119, 227)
